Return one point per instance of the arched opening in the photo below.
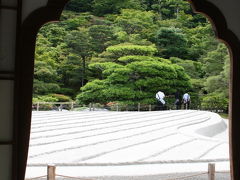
(82, 80)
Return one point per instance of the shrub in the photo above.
(61, 97)
(66, 91)
(215, 101)
(45, 98)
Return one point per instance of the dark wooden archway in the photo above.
(25, 67)
(224, 34)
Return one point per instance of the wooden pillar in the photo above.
(139, 107)
(60, 107)
(211, 171)
(37, 106)
(51, 172)
(90, 107)
(150, 107)
(117, 107)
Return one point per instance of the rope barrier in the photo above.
(36, 177)
(175, 178)
(72, 177)
(133, 163)
(78, 178)
(184, 177)
(222, 172)
(114, 107)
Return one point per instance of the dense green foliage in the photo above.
(125, 51)
(135, 80)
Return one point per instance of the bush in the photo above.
(45, 98)
(61, 97)
(52, 98)
(122, 106)
(83, 108)
(130, 49)
(66, 91)
(41, 87)
(215, 101)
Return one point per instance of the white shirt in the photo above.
(186, 97)
(160, 95)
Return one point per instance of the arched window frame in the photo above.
(25, 68)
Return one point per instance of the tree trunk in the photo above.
(83, 70)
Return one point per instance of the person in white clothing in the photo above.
(160, 100)
(186, 101)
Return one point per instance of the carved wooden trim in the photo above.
(52, 12)
(24, 79)
(231, 40)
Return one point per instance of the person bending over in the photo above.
(160, 100)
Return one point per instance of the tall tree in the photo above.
(135, 77)
(100, 35)
(79, 43)
(79, 5)
(167, 9)
(54, 33)
(137, 22)
(103, 7)
(171, 42)
(214, 61)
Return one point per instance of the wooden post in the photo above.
(117, 107)
(139, 106)
(150, 107)
(72, 106)
(37, 106)
(60, 107)
(93, 107)
(51, 172)
(90, 107)
(211, 171)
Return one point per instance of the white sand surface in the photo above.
(127, 143)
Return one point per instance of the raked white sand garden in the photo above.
(103, 143)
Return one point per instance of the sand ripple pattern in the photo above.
(115, 138)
